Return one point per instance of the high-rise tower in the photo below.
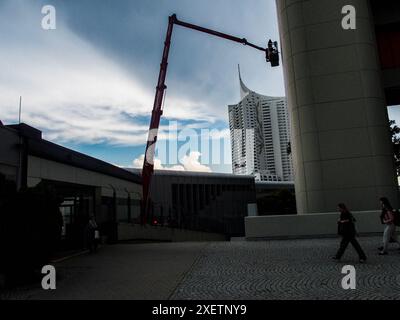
(260, 133)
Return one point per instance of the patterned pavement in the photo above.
(279, 269)
(291, 269)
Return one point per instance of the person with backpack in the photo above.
(388, 218)
(347, 229)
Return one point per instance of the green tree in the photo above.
(395, 134)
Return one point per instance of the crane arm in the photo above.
(215, 33)
(148, 164)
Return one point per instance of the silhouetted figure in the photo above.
(92, 234)
(347, 230)
(30, 229)
(389, 231)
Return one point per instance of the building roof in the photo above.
(263, 185)
(36, 146)
(193, 174)
(244, 91)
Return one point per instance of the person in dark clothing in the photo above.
(92, 234)
(347, 230)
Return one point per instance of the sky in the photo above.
(89, 84)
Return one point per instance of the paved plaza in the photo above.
(279, 269)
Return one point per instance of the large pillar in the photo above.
(340, 137)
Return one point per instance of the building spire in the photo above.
(244, 91)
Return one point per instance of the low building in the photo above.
(87, 186)
(199, 201)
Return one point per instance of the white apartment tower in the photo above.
(260, 133)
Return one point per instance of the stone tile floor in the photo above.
(290, 269)
(279, 269)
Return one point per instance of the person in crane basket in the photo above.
(272, 54)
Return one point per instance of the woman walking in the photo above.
(347, 230)
(389, 232)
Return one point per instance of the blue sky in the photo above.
(89, 84)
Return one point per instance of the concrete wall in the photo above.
(46, 169)
(340, 138)
(136, 232)
(310, 225)
(9, 151)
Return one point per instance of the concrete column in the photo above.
(340, 137)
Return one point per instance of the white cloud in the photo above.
(188, 163)
(191, 162)
(71, 90)
(76, 93)
(138, 163)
